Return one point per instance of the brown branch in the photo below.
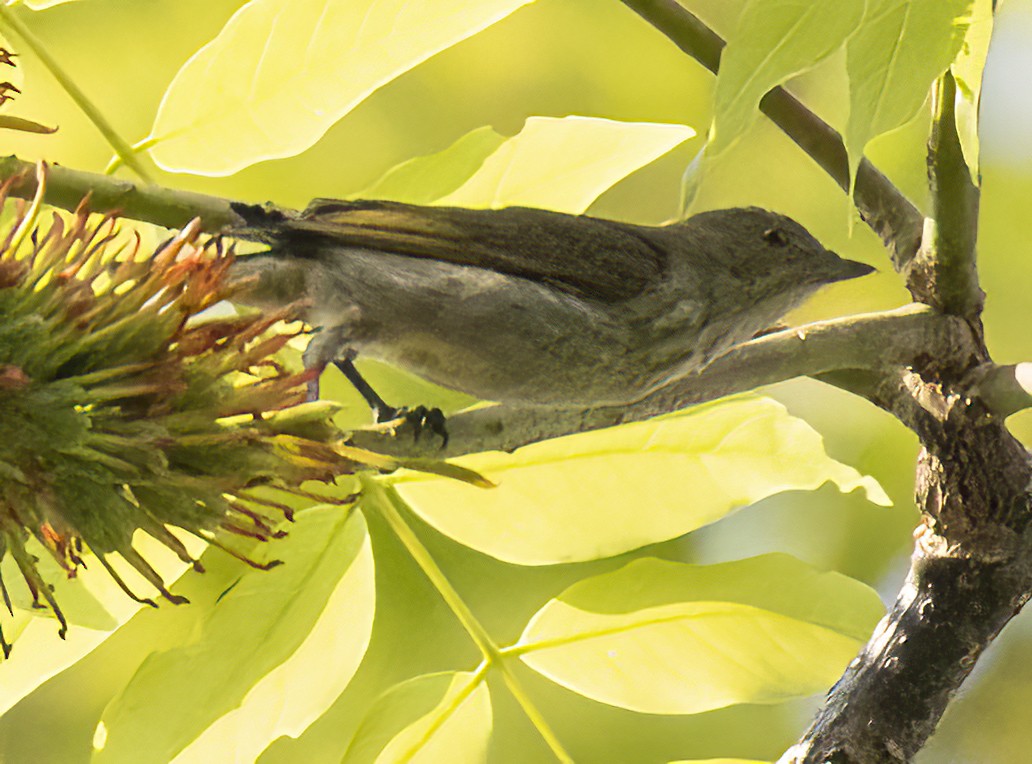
(882, 206)
(1003, 389)
(971, 572)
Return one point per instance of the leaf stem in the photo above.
(523, 648)
(534, 714)
(125, 152)
(460, 697)
(389, 503)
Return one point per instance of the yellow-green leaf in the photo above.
(253, 627)
(427, 178)
(565, 164)
(599, 494)
(40, 5)
(93, 604)
(80, 606)
(442, 717)
(775, 40)
(669, 638)
(893, 59)
(297, 692)
(281, 72)
(967, 70)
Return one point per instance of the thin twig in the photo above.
(66, 188)
(9, 18)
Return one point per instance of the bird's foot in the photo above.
(420, 418)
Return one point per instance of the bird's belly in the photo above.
(518, 362)
(491, 335)
(509, 350)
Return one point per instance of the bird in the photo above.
(529, 305)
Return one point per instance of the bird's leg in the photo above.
(421, 418)
(382, 412)
(322, 349)
(326, 348)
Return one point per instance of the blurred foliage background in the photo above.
(559, 57)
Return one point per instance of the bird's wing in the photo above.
(581, 255)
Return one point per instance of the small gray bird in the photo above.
(526, 305)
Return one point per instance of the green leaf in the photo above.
(669, 638)
(435, 717)
(281, 72)
(106, 668)
(41, 5)
(427, 178)
(93, 604)
(565, 164)
(967, 70)
(78, 604)
(775, 40)
(272, 624)
(602, 493)
(893, 59)
(298, 691)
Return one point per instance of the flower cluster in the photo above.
(122, 410)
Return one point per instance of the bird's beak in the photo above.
(849, 269)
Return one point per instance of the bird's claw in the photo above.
(421, 418)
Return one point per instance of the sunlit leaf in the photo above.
(599, 494)
(94, 605)
(425, 179)
(669, 638)
(255, 626)
(967, 70)
(892, 61)
(442, 717)
(41, 5)
(565, 164)
(281, 72)
(80, 607)
(40, 655)
(775, 40)
(295, 693)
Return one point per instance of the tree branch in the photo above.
(971, 572)
(882, 206)
(944, 274)
(1003, 389)
(148, 203)
(876, 341)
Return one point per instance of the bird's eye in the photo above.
(775, 237)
